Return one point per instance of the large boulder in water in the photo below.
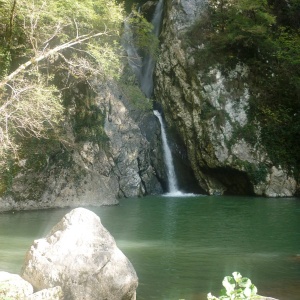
(81, 256)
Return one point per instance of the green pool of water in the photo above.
(182, 247)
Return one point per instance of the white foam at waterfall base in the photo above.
(179, 194)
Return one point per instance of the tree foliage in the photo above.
(40, 39)
(143, 37)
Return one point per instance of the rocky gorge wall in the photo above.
(209, 109)
(111, 156)
(117, 152)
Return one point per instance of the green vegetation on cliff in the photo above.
(54, 56)
(50, 51)
(264, 35)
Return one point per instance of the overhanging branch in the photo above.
(44, 55)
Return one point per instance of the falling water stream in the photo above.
(148, 62)
(172, 181)
(146, 81)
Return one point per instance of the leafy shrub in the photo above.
(236, 287)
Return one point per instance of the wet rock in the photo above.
(148, 9)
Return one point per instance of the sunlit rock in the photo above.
(12, 286)
(81, 256)
(54, 293)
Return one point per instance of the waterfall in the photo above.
(149, 63)
(134, 60)
(147, 88)
(146, 82)
(145, 77)
(172, 181)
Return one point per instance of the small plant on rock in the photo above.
(235, 288)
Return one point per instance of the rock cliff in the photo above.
(110, 153)
(209, 109)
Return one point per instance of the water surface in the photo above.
(182, 247)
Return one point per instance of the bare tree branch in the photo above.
(44, 55)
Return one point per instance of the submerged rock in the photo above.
(263, 298)
(81, 256)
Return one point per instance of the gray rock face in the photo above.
(130, 145)
(279, 184)
(81, 256)
(209, 111)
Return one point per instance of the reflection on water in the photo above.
(183, 247)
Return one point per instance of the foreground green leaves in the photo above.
(236, 287)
